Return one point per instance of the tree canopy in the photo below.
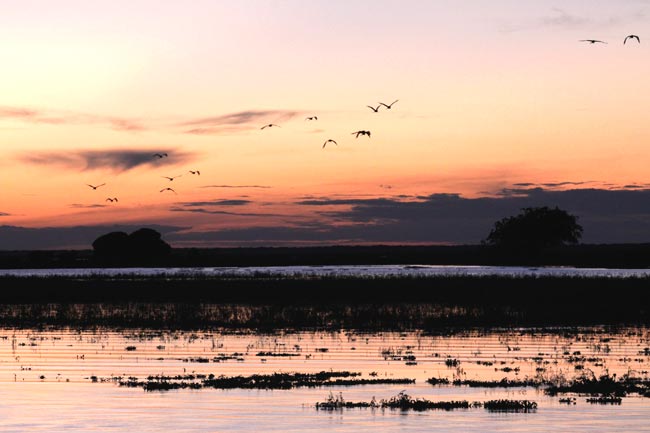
(535, 228)
(142, 246)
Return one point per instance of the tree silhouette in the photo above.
(536, 228)
(143, 246)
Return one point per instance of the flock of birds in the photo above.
(597, 41)
(170, 178)
(162, 155)
(357, 134)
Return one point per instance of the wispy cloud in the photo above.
(111, 159)
(565, 183)
(236, 122)
(201, 210)
(559, 18)
(230, 123)
(216, 203)
(3, 214)
(60, 117)
(85, 206)
(235, 186)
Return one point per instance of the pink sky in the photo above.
(490, 94)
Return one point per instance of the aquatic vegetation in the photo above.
(510, 405)
(404, 402)
(277, 354)
(503, 383)
(438, 381)
(603, 385)
(452, 362)
(255, 381)
(606, 399)
(337, 402)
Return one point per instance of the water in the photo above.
(46, 386)
(342, 270)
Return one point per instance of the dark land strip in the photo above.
(582, 255)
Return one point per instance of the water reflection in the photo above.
(46, 379)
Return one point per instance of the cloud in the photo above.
(17, 113)
(216, 203)
(561, 19)
(113, 159)
(27, 238)
(2, 214)
(201, 210)
(235, 186)
(236, 122)
(566, 183)
(608, 216)
(225, 124)
(85, 206)
(59, 117)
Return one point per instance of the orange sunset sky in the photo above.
(499, 106)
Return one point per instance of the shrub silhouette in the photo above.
(536, 228)
(142, 246)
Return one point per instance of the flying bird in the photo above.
(631, 37)
(311, 118)
(358, 133)
(168, 189)
(376, 110)
(171, 178)
(593, 41)
(94, 187)
(114, 199)
(389, 105)
(195, 172)
(160, 155)
(270, 125)
(329, 141)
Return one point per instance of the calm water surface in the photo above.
(45, 383)
(341, 270)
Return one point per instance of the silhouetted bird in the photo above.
(168, 189)
(195, 172)
(171, 178)
(270, 125)
(373, 108)
(593, 41)
(329, 141)
(95, 187)
(160, 155)
(311, 118)
(358, 133)
(390, 105)
(114, 199)
(631, 37)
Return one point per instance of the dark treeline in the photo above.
(584, 255)
(268, 301)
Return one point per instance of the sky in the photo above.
(500, 106)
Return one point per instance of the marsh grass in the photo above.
(268, 301)
(255, 381)
(404, 402)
